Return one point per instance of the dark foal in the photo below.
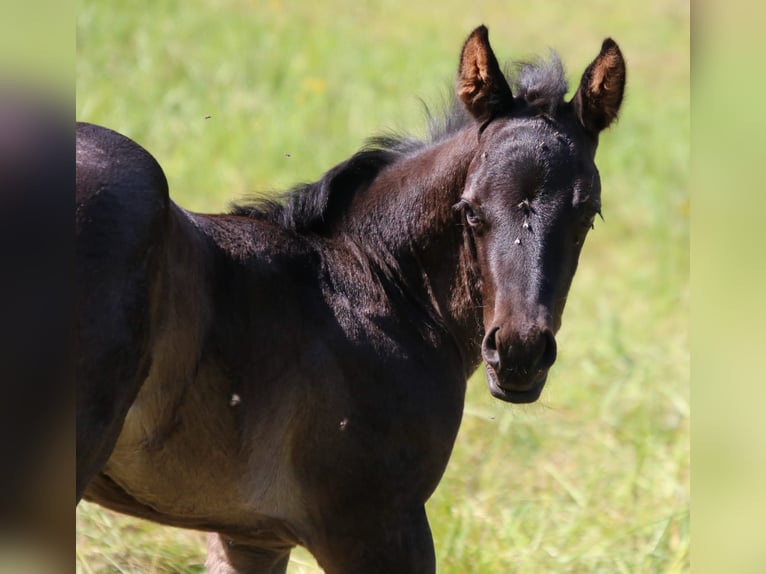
(293, 372)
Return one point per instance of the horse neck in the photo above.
(407, 221)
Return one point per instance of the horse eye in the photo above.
(471, 218)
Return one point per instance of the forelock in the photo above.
(541, 83)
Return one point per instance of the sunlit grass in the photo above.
(234, 97)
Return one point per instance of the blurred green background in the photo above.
(235, 97)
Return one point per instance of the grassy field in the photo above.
(234, 97)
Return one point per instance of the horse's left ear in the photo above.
(481, 85)
(597, 100)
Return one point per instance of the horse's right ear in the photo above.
(599, 96)
(481, 86)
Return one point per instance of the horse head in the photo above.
(531, 195)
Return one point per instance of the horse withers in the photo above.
(293, 372)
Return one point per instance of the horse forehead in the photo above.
(529, 153)
(537, 139)
(534, 157)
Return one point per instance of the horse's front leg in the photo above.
(373, 546)
(225, 556)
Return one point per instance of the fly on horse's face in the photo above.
(530, 198)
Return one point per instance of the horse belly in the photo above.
(191, 461)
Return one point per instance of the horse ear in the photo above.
(481, 86)
(597, 100)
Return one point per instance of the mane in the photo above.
(312, 207)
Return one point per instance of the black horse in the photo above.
(294, 372)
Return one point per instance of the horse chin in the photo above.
(528, 394)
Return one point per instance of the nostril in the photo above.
(489, 349)
(548, 356)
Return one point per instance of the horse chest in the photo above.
(385, 424)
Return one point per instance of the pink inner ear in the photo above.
(600, 94)
(481, 84)
(607, 74)
(607, 83)
(472, 85)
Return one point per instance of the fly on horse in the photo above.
(293, 372)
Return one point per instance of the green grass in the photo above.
(594, 477)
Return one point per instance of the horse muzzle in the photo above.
(517, 364)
